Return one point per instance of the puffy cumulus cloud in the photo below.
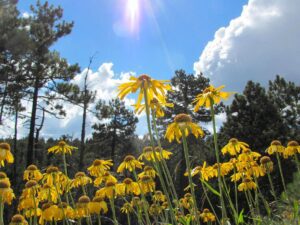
(104, 82)
(262, 42)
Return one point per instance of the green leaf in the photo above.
(241, 217)
(210, 188)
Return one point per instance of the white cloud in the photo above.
(104, 81)
(262, 42)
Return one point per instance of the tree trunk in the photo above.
(113, 146)
(36, 141)
(16, 163)
(82, 142)
(3, 101)
(30, 153)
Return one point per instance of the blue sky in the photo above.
(169, 38)
(229, 43)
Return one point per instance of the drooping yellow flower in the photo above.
(126, 208)
(97, 206)
(31, 212)
(144, 83)
(5, 154)
(149, 171)
(158, 196)
(64, 211)
(207, 216)
(182, 123)
(99, 167)
(82, 209)
(106, 177)
(127, 187)
(129, 163)
(48, 193)
(32, 173)
(157, 154)
(275, 146)
(247, 184)
(209, 96)
(109, 191)
(147, 184)
(27, 204)
(62, 147)
(54, 177)
(3, 176)
(187, 201)
(266, 164)
(247, 156)
(31, 189)
(18, 220)
(81, 180)
(155, 209)
(156, 105)
(48, 212)
(292, 148)
(234, 147)
(6, 193)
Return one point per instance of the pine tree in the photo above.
(117, 132)
(45, 68)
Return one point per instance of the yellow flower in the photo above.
(18, 220)
(54, 177)
(247, 184)
(5, 154)
(64, 211)
(153, 88)
(127, 187)
(292, 148)
(81, 180)
(108, 191)
(182, 123)
(266, 164)
(148, 154)
(106, 177)
(156, 105)
(99, 167)
(129, 163)
(32, 173)
(48, 193)
(97, 206)
(82, 209)
(48, 212)
(187, 201)
(62, 148)
(155, 209)
(6, 193)
(126, 208)
(147, 184)
(4, 177)
(158, 197)
(275, 146)
(247, 156)
(31, 189)
(27, 203)
(149, 171)
(207, 216)
(31, 212)
(209, 96)
(234, 146)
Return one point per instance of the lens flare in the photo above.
(132, 14)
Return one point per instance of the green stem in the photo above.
(128, 219)
(99, 219)
(1, 211)
(224, 212)
(65, 163)
(112, 205)
(188, 166)
(272, 186)
(156, 160)
(281, 173)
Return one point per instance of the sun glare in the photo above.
(132, 11)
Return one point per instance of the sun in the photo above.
(132, 11)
